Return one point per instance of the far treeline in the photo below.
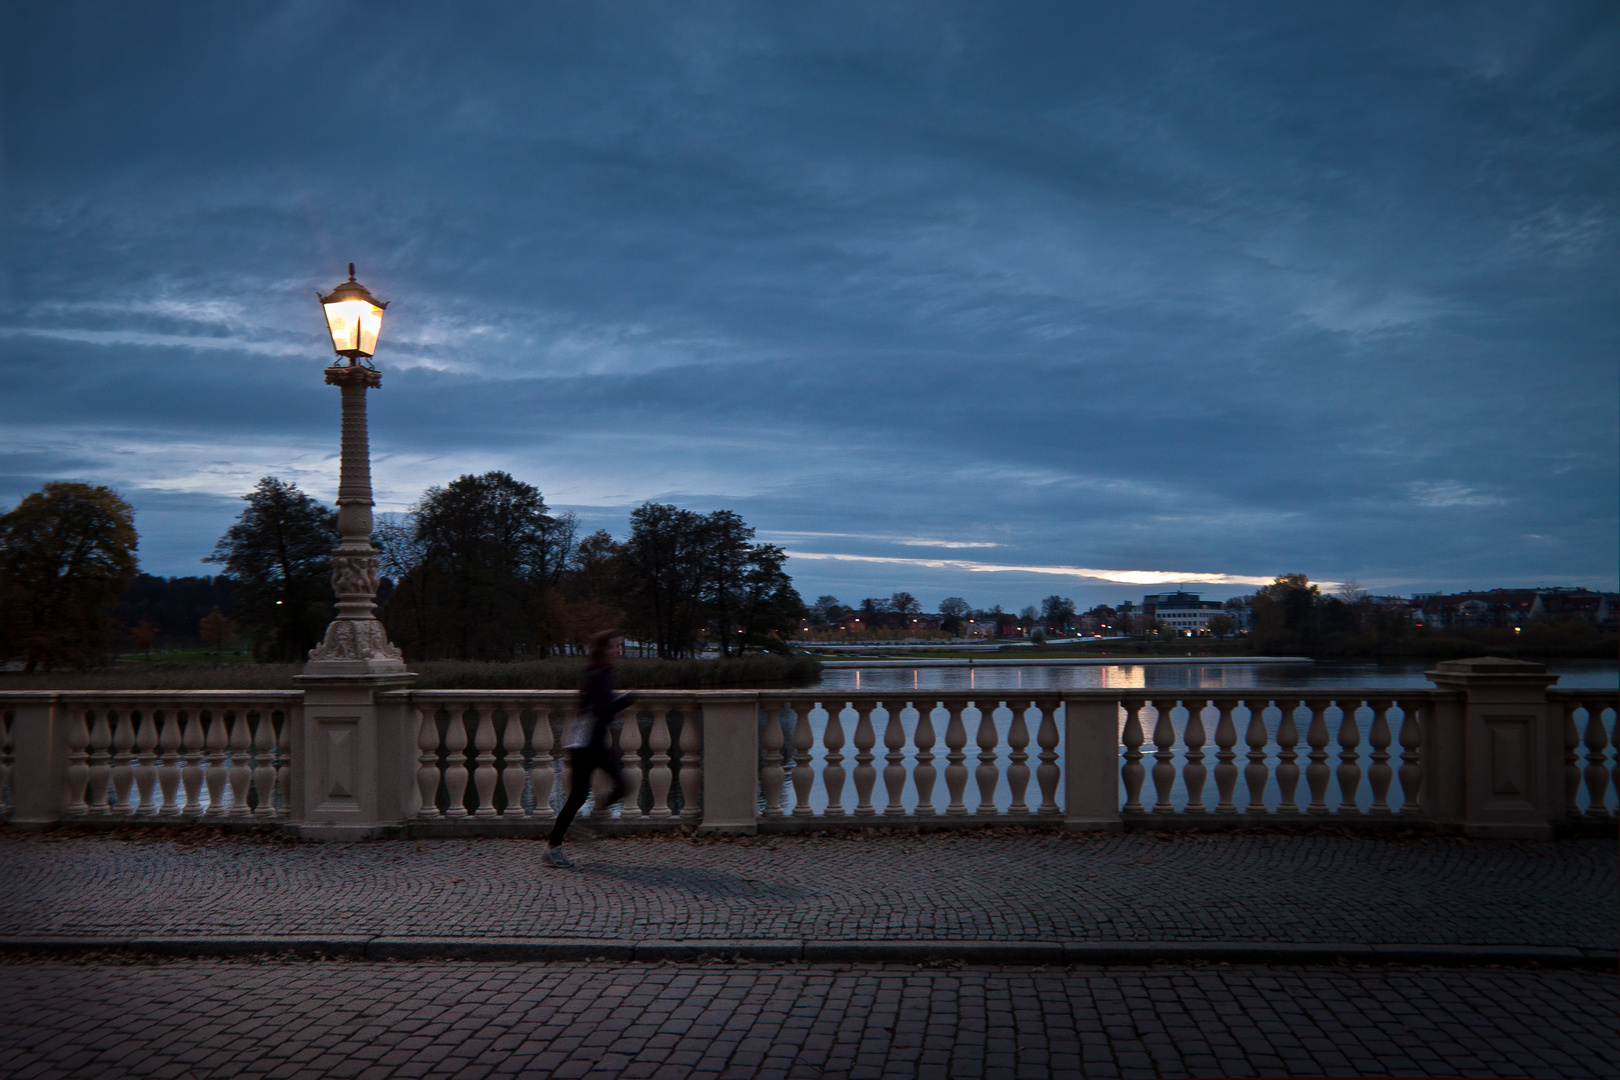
(479, 569)
(1293, 618)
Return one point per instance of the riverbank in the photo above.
(556, 673)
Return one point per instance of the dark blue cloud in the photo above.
(1159, 287)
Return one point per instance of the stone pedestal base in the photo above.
(355, 754)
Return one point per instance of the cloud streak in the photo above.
(1122, 577)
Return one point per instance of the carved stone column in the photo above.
(355, 642)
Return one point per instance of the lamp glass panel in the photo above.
(343, 320)
(370, 327)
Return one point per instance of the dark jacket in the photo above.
(598, 700)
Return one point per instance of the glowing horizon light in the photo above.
(1120, 577)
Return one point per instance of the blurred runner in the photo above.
(591, 745)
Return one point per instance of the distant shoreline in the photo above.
(1072, 661)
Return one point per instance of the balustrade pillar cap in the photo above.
(1490, 669)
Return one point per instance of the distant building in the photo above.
(1184, 611)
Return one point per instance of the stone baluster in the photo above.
(191, 761)
(7, 750)
(1317, 772)
(78, 770)
(1017, 758)
(1164, 767)
(1132, 771)
(691, 743)
(1047, 773)
(240, 774)
(123, 770)
(1411, 771)
(567, 771)
(986, 774)
(659, 777)
(1349, 770)
(832, 773)
(427, 761)
(894, 771)
(956, 775)
(1194, 772)
(630, 747)
(484, 768)
(214, 763)
(1572, 761)
(146, 741)
(804, 740)
(544, 772)
(169, 764)
(455, 764)
(100, 763)
(284, 764)
(923, 775)
(514, 778)
(865, 774)
(1255, 772)
(284, 760)
(1379, 774)
(772, 776)
(264, 772)
(1287, 771)
(1226, 773)
(1597, 771)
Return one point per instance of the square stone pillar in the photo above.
(353, 757)
(730, 763)
(39, 759)
(1497, 760)
(1091, 765)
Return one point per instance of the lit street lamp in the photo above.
(355, 642)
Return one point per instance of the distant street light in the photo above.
(355, 642)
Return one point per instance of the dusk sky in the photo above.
(989, 300)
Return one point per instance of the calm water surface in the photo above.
(1581, 674)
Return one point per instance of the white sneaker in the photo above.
(555, 857)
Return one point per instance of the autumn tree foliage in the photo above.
(67, 552)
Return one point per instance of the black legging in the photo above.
(584, 762)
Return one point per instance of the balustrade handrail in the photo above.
(224, 696)
(1416, 693)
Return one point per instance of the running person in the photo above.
(590, 743)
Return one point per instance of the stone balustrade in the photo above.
(500, 757)
(1489, 750)
(156, 755)
(965, 757)
(1591, 766)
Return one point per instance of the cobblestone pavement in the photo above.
(207, 1018)
(1022, 887)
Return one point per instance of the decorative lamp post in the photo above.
(355, 642)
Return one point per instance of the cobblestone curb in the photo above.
(368, 947)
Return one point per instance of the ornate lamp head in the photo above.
(353, 318)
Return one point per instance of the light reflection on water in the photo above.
(1583, 674)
